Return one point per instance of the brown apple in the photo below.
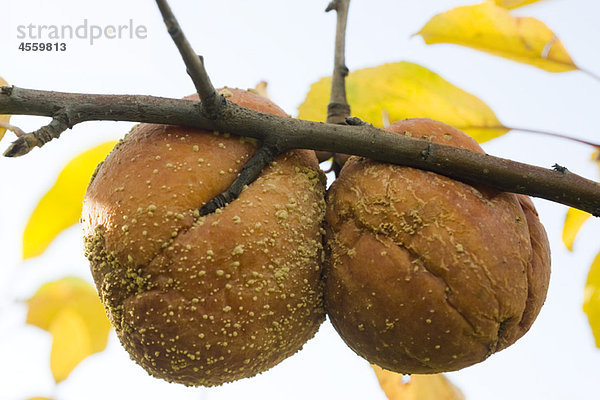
(203, 300)
(426, 274)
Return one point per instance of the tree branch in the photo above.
(285, 134)
(338, 108)
(212, 101)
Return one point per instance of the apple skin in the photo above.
(204, 300)
(426, 274)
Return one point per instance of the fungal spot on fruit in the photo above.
(238, 250)
(220, 272)
(290, 271)
(225, 92)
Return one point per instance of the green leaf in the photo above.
(406, 90)
(492, 29)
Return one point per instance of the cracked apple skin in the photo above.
(426, 274)
(204, 300)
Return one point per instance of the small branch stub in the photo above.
(28, 141)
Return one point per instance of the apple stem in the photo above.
(251, 170)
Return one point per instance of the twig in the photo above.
(14, 129)
(28, 141)
(287, 133)
(590, 74)
(212, 101)
(250, 171)
(338, 108)
(546, 133)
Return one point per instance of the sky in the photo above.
(290, 45)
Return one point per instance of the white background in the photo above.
(290, 44)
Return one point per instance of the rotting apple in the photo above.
(426, 274)
(203, 300)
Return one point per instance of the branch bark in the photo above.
(338, 108)
(195, 64)
(287, 133)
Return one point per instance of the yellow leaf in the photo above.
(493, 29)
(591, 298)
(70, 343)
(417, 387)
(71, 311)
(510, 4)
(3, 118)
(406, 90)
(573, 222)
(61, 205)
